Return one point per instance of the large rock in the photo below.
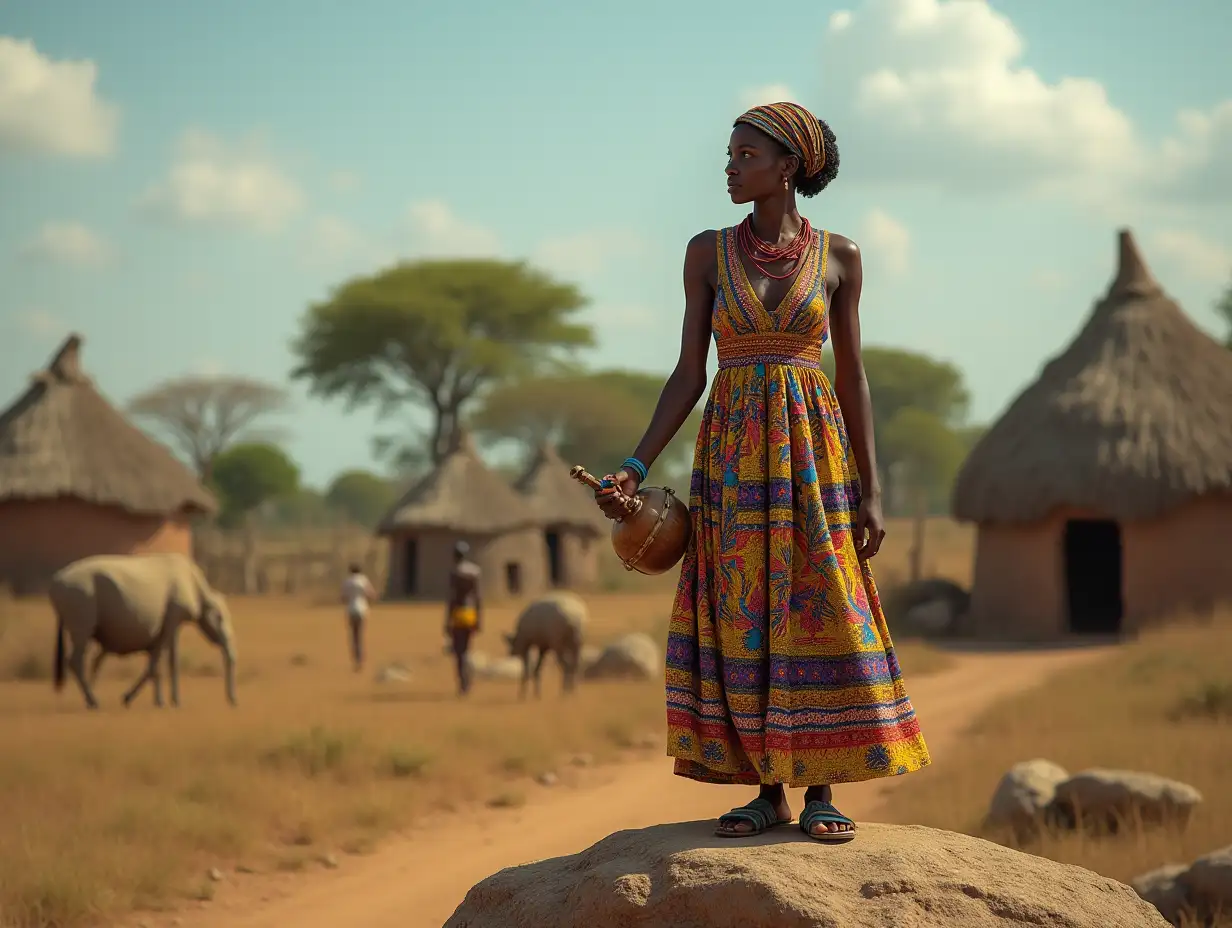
(632, 657)
(1107, 798)
(682, 876)
(1024, 793)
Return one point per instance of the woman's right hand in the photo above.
(616, 487)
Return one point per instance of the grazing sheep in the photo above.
(555, 622)
(131, 603)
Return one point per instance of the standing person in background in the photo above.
(463, 612)
(357, 593)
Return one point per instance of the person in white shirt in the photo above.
(357, 593)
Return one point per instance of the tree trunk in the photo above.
(919, 523)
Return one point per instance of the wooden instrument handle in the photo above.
(631, 503)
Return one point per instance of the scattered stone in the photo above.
(215, 874)
(649, 741)
(329, 861)
(1209, 881)
(582, 760)
(1106, 798)
(508, 669)
(547, 778)
(1024, 793)
(631, 657)
(244, 868)
(393, 673)
(1162, 889)
(682, 874)
(588, 657)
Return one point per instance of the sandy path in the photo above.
(418, 880)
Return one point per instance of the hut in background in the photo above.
(462, 499)
(571, 522)
(1103, 495)
(76, 478)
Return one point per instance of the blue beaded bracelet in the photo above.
(637, 467)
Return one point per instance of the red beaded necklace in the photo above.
(761, 252)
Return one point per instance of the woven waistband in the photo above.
(773, 348)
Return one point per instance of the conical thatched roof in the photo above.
(62, 438)
(461, 494)
(557, 497)
(1132, 419)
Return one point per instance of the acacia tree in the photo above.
(593, 418)
(251, 474)
(203, 416)
(436, 334)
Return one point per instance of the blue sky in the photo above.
(180, 181)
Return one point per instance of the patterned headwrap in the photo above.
(795, 128)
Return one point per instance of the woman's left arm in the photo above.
(851, 388)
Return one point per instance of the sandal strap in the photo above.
(818, 811)
(760, 813)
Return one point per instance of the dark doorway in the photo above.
(513, 577)
(410, 573)
(1093, 576)
(555, 569)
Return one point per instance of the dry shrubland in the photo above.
(104, 812)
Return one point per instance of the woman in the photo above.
(780, 668)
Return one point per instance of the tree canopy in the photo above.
(202, 416)
(436, 333)
(1223, 306)
(251, 474)
(595, 418)
(360, 495)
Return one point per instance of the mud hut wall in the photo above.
(1182, 561)
(493, 554)
(579, 558)
(38, 537)
(1017, 591)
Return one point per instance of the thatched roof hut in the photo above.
(1104, 491)
(76, 478)
(462, 499)
(572, 523)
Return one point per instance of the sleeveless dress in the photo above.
(780, 667)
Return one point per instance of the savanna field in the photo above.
(121, 809)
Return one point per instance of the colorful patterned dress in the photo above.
(780, 667)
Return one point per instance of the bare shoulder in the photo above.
(842, 247)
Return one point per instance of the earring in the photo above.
(786, 184)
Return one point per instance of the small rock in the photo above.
(547, 778)
(649, 741)
(1209, 880)
(215, 874)
(244, 868)
(393, 673)
(632, 657)
(329, 861)
(1162, 889)
(1106, 797)
(1024, 793)
(583, 760)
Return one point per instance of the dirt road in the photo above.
(418, 880)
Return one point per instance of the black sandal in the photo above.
(760, 813)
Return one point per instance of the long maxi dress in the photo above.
(780, 667)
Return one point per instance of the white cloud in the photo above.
(52, 107)
(67, 242)
(40, 323)
(940, 95)
(436, 231)
(770, 93)
(213, 183)
(585, 253)
(338, 244)
(1193, 254)
(1197, 163)
(886, 241)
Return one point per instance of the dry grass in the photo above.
(1163, 704)
(105, 812)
